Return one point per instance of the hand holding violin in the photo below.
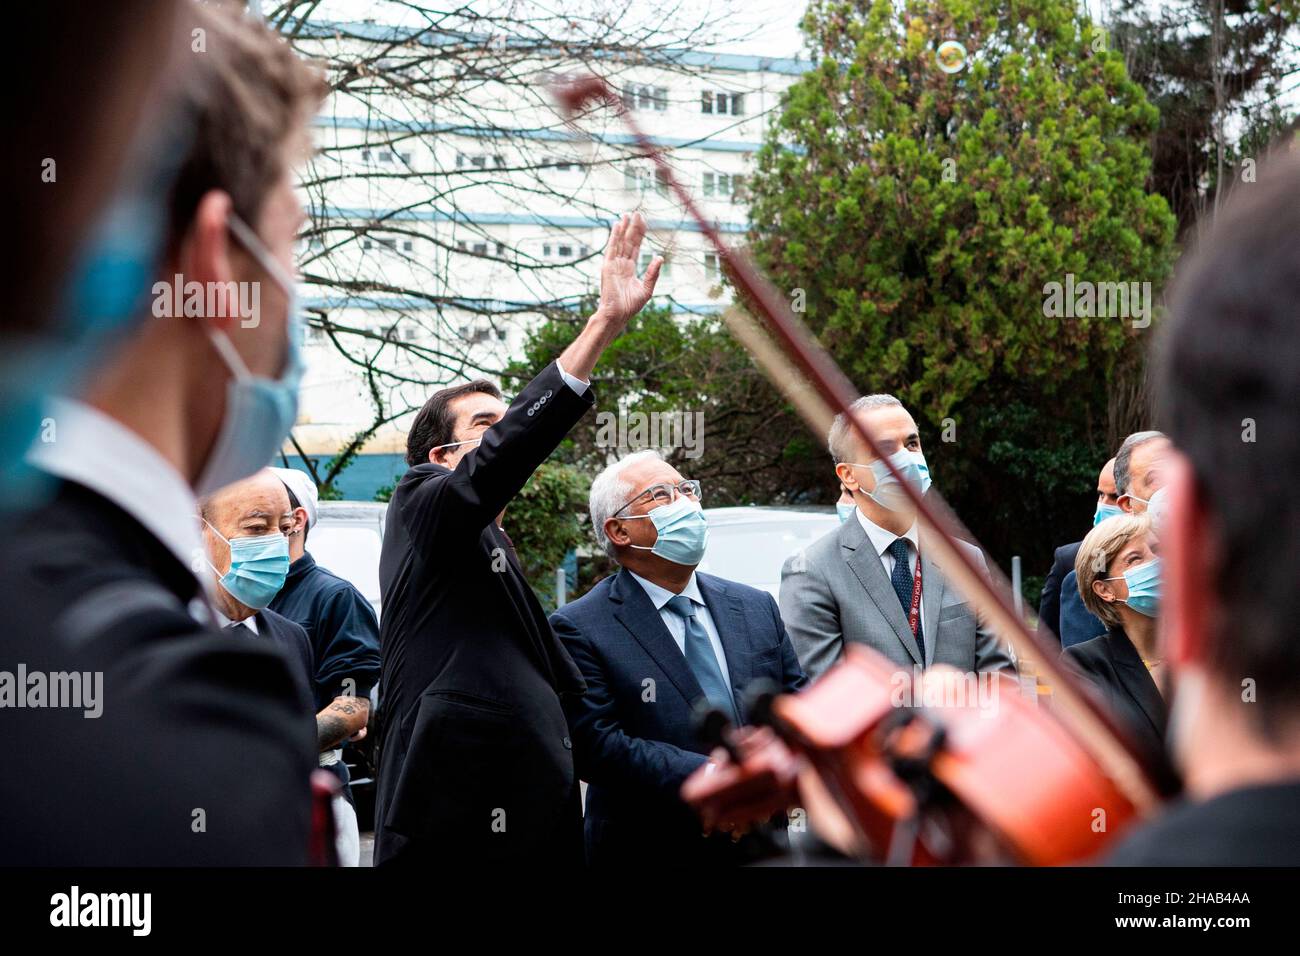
(733, 797)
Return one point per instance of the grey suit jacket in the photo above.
(836, 590)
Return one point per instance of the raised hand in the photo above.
(622, 293)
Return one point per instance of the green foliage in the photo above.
(923, 213)
(545, 521)
(753, 449)
(927, 284)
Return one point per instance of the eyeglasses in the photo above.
(665, 492)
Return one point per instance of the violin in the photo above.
(894, 767)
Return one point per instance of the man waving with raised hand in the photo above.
(476, 763)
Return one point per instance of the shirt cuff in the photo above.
(577, 384)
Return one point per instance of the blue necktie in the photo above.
(903, 582)
(701, 659)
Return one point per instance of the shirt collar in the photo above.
(659, 596)
(224, 622)
(97, 451)
(882, 539)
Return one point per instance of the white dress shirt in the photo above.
(575, 383)
(660, 597)
(881, 540)
(225, 623)
(99, 452)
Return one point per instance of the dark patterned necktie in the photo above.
(903, 582)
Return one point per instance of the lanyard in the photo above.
(914, 616)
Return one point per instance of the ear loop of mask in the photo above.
(453, 444)
(254, 247)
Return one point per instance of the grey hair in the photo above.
(609, 493)
(1124, 457)
(839, 433)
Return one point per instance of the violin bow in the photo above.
(796, 364)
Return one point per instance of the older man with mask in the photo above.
(248, 527)
(651, 642)
(245, 526)
(871, 580)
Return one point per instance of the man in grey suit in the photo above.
(861, 582)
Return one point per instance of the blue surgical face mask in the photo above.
(683, 531)
(845, 511)
(888, 493)
(260, 412)
(258, 567)
(1143, 583)
(1105, 511)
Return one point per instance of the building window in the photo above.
(564, 251)
(721, 103)
(379, 243)
(724, 185)
(385, 157)
(712, 265)
(639, 96)
(476, 161)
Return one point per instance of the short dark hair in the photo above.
(1225, 373)
(435, 424)
(256, 97)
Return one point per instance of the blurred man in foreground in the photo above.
(189, 400)
(1228, 386)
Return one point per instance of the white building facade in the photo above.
(443, 227)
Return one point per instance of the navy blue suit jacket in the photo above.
(633, 730)
(1078, 624)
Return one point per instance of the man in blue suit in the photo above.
(651, 641)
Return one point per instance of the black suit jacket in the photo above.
(634, 731)
(291, 638)
(1112, 665)
(202, 754)
(1049, 604)
(1251, 826)
(476, 765)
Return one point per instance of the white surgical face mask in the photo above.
(260, 412)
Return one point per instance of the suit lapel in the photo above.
(932, 587)
(635, 611)
(1137, 680)
(729, 618)
(862, 559)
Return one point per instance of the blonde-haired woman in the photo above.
(1119, 582)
